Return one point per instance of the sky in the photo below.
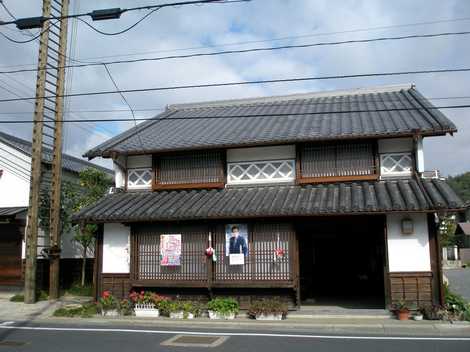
(214, 27)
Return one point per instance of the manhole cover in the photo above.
(195, 341)
(12, 343)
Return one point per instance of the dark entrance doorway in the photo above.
(10, 254)
(342, 261)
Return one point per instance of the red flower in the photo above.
(106, 294)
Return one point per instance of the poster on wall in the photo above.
(236, 243)
(170, 250)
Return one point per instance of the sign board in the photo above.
(170, 250)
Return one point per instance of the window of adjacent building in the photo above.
(338, 160)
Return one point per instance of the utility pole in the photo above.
(47, 133)
(55, 226)
(36, 165)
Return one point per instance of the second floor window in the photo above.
(269, 171)
(341, 160)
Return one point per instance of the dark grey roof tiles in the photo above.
(69, 162)
(401, 111)
(265, 201)
(10, 211)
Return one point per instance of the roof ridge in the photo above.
(288, 97)
(11, 140)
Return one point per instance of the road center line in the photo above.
(174, 332)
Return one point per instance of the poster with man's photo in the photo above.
(236, 243)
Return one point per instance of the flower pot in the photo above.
(403, 314)
(418, 317)
(219, 316)
(270, 316)
(146, 310)
(110, 313)
(181, 315)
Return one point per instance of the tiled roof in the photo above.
(331, 199)
(69, 162)
(10, 211)
(402, 111)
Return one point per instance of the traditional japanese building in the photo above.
(315, 197)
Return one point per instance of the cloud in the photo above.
(186, 27)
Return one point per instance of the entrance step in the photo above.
(311, 312)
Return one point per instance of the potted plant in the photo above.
(146, 304)
(108, 305)
(402, 310)
(268, 309)
(183, 309)
(418, 316)
(223, 308)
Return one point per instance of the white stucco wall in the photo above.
(136, 161)
(408, 252)
(14, 182)
(395, 145)
(261, 153)
(116, 248)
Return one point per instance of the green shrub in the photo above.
(77, 290)
(223, 306)
(125, 307)
(87, 310)
(457, 306)
(167, 306)
(17, 298)
(267, 306)
(40, 296)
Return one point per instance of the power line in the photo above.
(310, 35)
(275, 104)
(252, 50)
(244, 83)
(117, 12)
(32, 38)
(286, 115)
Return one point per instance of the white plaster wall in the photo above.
(408, 252)
(261, 153)
(14, 182)
(135, 161)
(116, 248)
(119, 175)
(395, 145)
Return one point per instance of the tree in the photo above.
(447, 227)
(93, 185)
(461, 185)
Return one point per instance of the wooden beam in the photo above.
(332, 179)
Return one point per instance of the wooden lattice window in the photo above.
(190, 168)
(338, 160)
(145, 247)
(262, 263)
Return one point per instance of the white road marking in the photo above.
(5, 323)
(176, 332)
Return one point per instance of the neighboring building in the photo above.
(329, 200)
(462, 234)
(15, 170)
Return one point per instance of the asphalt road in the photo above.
(70, 338)
(459, 281)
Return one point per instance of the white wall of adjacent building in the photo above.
(14, 192)
(408, 252)
(14, 182)
(116, 249)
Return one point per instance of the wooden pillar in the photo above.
(436, 265)
(36, 165)
(55, 228)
